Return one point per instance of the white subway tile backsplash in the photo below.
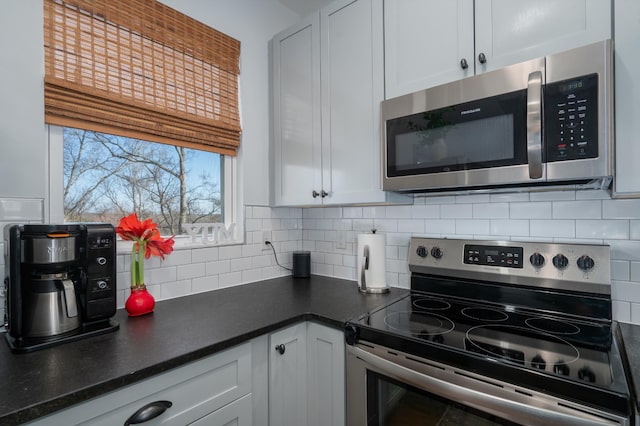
(194, 270)
(552, 228)
(577, 209)
(21, 210)
(473, 198)
(620, 270)
(532, 210)
(438, 227)
(622, 311)
(352, 212)
(491, 211)
(572, 216)
(552, 196)
(412, 226)
(456, 211)
(204, 254)
(621, 209)
(511, 227)
(472, 226)
(425, 211)
(634, 272)
(604, 229)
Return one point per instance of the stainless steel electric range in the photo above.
(492, 332)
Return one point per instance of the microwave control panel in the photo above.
(571, 119)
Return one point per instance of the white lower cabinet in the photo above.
(292, 377)
(306, 376)
(212, 391)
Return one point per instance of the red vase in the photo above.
(140, 302)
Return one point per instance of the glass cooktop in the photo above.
(566, 347)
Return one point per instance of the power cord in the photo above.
(276, 256)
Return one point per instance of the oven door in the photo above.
(477, 132)
(387, 387)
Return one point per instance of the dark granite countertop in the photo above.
(631, 342)
(179, 331)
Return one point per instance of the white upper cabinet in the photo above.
(296, 113)
(428, 42)
(508, 31)
(425, 42)
(326, 97)
(627, 98)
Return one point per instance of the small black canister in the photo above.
(301, 264)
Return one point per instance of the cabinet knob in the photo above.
(280, 348)
(148, 412)
(315, 194)
(463, 64)
(482, 59)
(323, 193)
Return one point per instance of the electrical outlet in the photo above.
(341, 244)
(266, 236)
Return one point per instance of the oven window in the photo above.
(391, 403)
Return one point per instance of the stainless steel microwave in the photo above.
(547, 121)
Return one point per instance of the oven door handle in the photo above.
(534, 124)
(513, 410)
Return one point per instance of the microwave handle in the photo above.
(534, 124)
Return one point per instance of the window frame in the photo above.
(232, 196)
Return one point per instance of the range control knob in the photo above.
(586, 263)
(586, 374)
(436, 252)
(536, 259)
(421, 251)
(560, 261)
(538, 362)
(561, 368)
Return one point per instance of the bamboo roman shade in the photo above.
(140, 69)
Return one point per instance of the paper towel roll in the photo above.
(371, 258)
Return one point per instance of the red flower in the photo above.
(147, 240)
(131, 229)
(156, 246)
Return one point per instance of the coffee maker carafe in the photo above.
(60, 282)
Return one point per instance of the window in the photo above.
(107, 177)
(100, 177)
(142, 107)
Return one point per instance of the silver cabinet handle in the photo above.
(482, 58)
(463, 64)
(534, 126)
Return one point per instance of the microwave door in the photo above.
(473, 133)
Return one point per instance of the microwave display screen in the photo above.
(473, 135)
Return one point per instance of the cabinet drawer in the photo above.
(195, 390)
(238, 413)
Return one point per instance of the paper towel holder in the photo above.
(364, 264)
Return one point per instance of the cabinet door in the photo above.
(511, 31)
(326, 380)
(352, 85)
(627, 98)
(296, 114)
(288, 376)
(424, 43)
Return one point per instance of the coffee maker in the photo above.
(60, 283)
